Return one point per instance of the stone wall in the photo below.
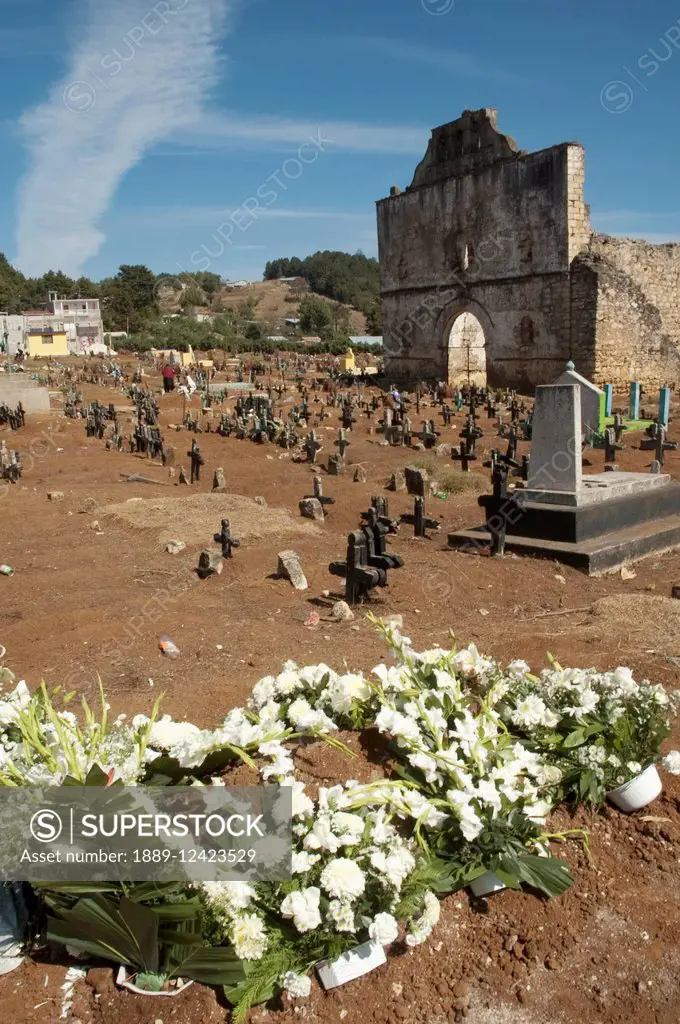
(17, 387)
(626, 312)
(489, 230)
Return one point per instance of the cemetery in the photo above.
(446, 617)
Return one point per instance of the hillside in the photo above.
(353, 279)
(271, 307)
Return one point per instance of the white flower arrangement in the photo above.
(483, 753)
(42, 746)
(599, 729)
(351, 868)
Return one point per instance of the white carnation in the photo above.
(383, 929)
(343, 879)
(303, 907)
(298, 986)
(249, 937)
(349, 828)
(347, 690)
(422, 926)
(671, 762)
(303, 862)
(166, 734)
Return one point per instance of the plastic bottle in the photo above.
(168, 648)
(6, 570)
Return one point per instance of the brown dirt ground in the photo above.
(88, 601)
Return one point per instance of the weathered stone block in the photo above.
(311, 508)
(289, 567)
(397, 482)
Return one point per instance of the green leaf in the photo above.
(97, 926)
(550, 875)
(575, 739)
(211, 965)
(142, 924)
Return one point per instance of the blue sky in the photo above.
(135, 130)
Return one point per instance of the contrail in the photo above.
(140, 71)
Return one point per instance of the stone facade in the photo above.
(504, 235)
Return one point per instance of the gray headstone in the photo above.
(289, 567)
(218, 480)
(336, 465)
(311, 508)
(209, 563)
(359, 475)
(555, 463)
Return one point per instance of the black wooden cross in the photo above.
(418, 520)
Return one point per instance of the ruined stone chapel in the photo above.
(490, 271)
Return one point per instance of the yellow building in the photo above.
(46, 342)
(348, 362)
(174, 356)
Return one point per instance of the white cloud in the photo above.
(173, 217)
(138, 73)
(214, 130)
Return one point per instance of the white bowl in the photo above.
(637, 793)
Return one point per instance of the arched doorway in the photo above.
(467, 351)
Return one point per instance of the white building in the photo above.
(80, 319)
(12, 332)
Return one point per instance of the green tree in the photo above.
(315, 315)
(374, 320)
(351, 279)
(132, 302)
(55, 281)
(192, 296)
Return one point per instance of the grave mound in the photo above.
(651, 619)
(192, 518)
